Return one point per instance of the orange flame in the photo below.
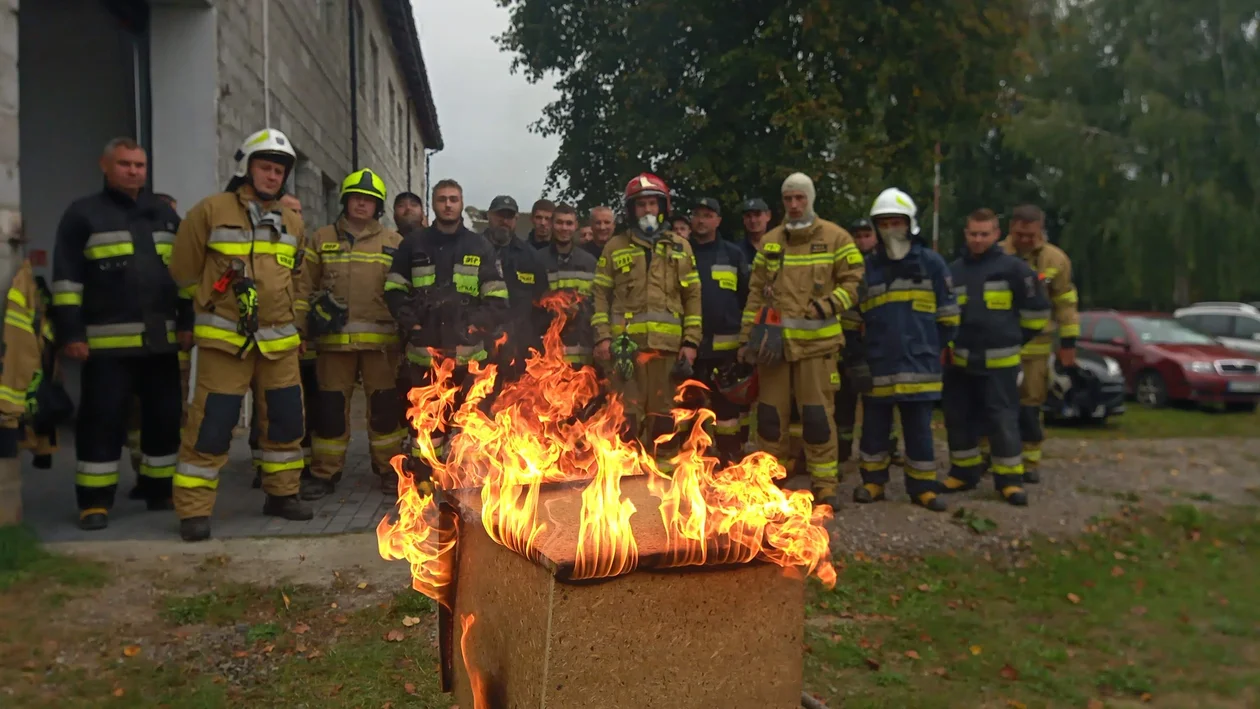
(416, 537)
(539, 430)
(481, 697)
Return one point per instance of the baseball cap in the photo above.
(756, 204)
(503, 203)
(710, 203)
(407, 195)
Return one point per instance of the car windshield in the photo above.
(1166, 331)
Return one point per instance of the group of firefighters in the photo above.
(787, 330)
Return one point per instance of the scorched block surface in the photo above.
(689, 638)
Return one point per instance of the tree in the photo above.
(1142, 117)
(725, 98)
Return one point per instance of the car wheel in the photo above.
(1151, 391)
(1241, 407)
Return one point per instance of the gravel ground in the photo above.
(1080, 481)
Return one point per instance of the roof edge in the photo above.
(400, 19)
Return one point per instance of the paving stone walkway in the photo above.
(49, 507)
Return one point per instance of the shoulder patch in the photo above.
(772, 247)
(472, 260)
(601, 263)
(817, 248)
(525, 277)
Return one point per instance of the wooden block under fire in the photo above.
(694, 637)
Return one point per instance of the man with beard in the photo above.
(442, 290)
(756, 223)
(409, 212)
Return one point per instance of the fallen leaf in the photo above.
(335, 690)
(341, 619)
(332, 605)
(1009, 673)
(1119, 555)
(1194, 536)
(164, 558)
(268, 648)
(976, 650)
(301, 628)
(1138, 610)
(894, 598)
(940, 672)
(912, 654)
(285, 596)
(337, 574)
(872, 664)
(387, 705)
(1074, 598)
(363, 585)
(1095, 704)
(1013, 704)
(240, 653)
(1146, 696)
(410, 620)
(924, 587)
(1116, 571)
(864, 643)
(300, 646)
(1088, 584)
(409, 688)
(925, 638)
(131, 650)
(119, 691)
(395, 636)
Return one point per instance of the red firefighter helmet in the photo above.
(738, 383)
(648, 185)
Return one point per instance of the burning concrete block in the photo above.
(522, 633)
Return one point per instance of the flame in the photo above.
(481, 697)
(416, 536)
(556, 424)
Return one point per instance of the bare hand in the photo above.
(76, 350)
(1067, 357)
(185, 338)
(689, 354)
(301, 348)
(603, 351)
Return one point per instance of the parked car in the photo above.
(1236, 325)
(1096, 393)
(1163, 360)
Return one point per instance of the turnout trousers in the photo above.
(846, 403)
(812, 384)
(310, 391)
(221, 382)
(877, 448)
(727, 426)
(1032, 396)
(977, 403)
(338, 373)
(108, 387)
(649, 398)
(133, 419)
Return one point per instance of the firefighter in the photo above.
(1027, 240)
(343, 278)
(442, 290)
(115, 308)
(855, 374)
(723, 291)
(523, 268)
(235, 258)
(805, 275)
(909, 316)
(647, 316)
(1003, 306)
(756, 216)
(571, 268)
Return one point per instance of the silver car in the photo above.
(1235, 325)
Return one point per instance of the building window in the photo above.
(360, 46)
(375, 78)
(393, 125)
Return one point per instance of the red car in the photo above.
(1165, 361)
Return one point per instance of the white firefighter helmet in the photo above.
(267, 142)
(893, 201)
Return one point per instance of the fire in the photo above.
(418, 537)
(481, 697)
(556, 424)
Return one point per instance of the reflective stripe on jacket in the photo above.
(1003, 306)
(353, 269)
(723, 274)
(109, 271)
(649, 290)
(574, 272)
(794, 269)
(909, 314)
(1055, 269)
(265, 236)
(26, 333)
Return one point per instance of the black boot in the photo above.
(94, 519)
(1015, 495)
(929, 501)
(824, 491)
(159, 504)
(288, 507)
(315, 488)
(1031, 476)
(868, 493)
(194, 529)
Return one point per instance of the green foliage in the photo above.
(725, 98)
(22, 558)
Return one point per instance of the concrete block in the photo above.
(694, 637)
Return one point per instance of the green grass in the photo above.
(1154, 605)
(1140, 422)
(22, 558)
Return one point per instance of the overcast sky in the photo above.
(484, 110)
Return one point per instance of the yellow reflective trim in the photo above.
(95, 253)
(281, 345)
(949, 320)
(996, 363)
(13, 396)
(1073, 330)
(1034, 324)
(643, 328)
(160, 472)
(927, 297)
(95, 480)
(268, 467)
(209, 332)
(968, 462)
(342, 338)
(1066, 298)
(20, 321)
(905, 389)
(17, 297)
(1035, 348)
(391, 285)
(830, 330)
(998, 300)
(603, 280)
(188, 481)
(67, 299)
